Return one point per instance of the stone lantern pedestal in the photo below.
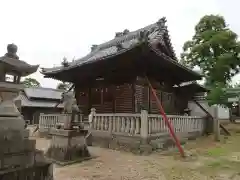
(68, 146)
(17, 152)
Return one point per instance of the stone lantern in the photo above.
(17, 151)
(10, 65)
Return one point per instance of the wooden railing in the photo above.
(143, 124)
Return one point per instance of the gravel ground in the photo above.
(210, 163)
(114, 165)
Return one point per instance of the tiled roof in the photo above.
(43, 93)
(192, 85)
(155, 33)
(25, 102)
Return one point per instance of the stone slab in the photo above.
(43, 171)
(12, 123)
(68, 145)
(65, 163)
(17, 160)
(67, 133)
(65, 154)
(10, 147)
(11, 134)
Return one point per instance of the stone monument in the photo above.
(18, 157)
(68, 144)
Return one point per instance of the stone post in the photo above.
(145, 148)
(68, 121)
(18, 104)
(144, 124)
(216, 124)
(91, 116)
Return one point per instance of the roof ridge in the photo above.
(125, 37)
(97, 52)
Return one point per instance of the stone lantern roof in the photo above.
(10, 63)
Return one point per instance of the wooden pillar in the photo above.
(133, 97)
(113, 91)
(149, 100)
(89, 105)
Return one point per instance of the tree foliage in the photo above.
(215, 49)
(30, 82)
(63, 86)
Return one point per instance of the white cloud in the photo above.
(47, 30)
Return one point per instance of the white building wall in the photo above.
(223, 113)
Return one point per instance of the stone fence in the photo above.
(144, 124)
(116, 130)
(48, 121)
(129, 131)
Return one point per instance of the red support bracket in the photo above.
(166, 120)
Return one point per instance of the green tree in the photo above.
(215, 49)
(63, 86)
(30, 82)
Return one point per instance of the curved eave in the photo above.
(156, 60)
(30, 70)
(196, 75)
(194, 87)
(53, 71)
(19, 66)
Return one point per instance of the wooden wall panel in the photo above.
(142, 98)
(153, 103)
(82, 96)
(169, 100)
(102, 99)
(124, 98)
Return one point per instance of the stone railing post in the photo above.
(42, 122)
(144, 124)
(216, 124)
(91, 116)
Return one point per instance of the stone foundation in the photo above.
(19, 159)
(68, 146)
(136, 144)
(40, 171)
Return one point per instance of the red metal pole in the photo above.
(165, 118)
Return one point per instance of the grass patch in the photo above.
(217, 152)
(220, 165)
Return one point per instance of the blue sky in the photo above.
(47, 30)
